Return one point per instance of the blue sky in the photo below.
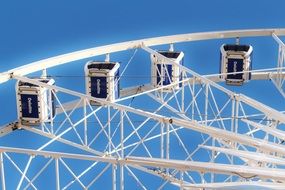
(34, 30)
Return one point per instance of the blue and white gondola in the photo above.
(35, 104)
(236, 59)
(102, 81)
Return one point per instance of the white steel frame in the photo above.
(220, 135)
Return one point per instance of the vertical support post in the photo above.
(213, 159)
(57, 174)
(107, 59)
(162, 140)
(122, 149)
(42, 127)
(167, 144)
(279, 71)
(2, 172)
(193, 99)
(44, 73)
(267, 134)
(235, 130)
(281, 59)
(109, 129)
(202, 177)
(114, 180)
(122, 177)
(181, 180)
(161, 95)
(162, 78)
(237, 40)
(171, 48)
(233, 115)
(276, 140)
(85, 122)
(206, 103)
(233, 126)
(167, 140)
(183, 94)
(51, 110)
(236, 116)
(273, 125)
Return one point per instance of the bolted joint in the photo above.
(11, 75)
(235, 96)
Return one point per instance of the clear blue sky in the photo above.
(34, 30)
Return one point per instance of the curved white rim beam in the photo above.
(101, 50)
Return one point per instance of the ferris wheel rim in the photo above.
(17, 74)
(133, 44)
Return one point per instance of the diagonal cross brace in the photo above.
(268, 111)
(193, 125)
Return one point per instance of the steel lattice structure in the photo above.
(200, 136)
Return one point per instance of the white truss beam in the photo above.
(64, 141)
(158, 173)
(127, 93)
(58, 154)
(270, 130)
(219, 135)
(68, 106)
(5, 130)
(254, 156)
(204, 167)
(231, 136)
(131, 92)
(214, 132)
(265, 75)
(270, 112)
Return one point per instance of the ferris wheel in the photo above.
(105, 126)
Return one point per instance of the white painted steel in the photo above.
(253, 156)
(2, 170)
(260, 162)
(215, 132)
(102, 50)
(270, 112)
(277, 174)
